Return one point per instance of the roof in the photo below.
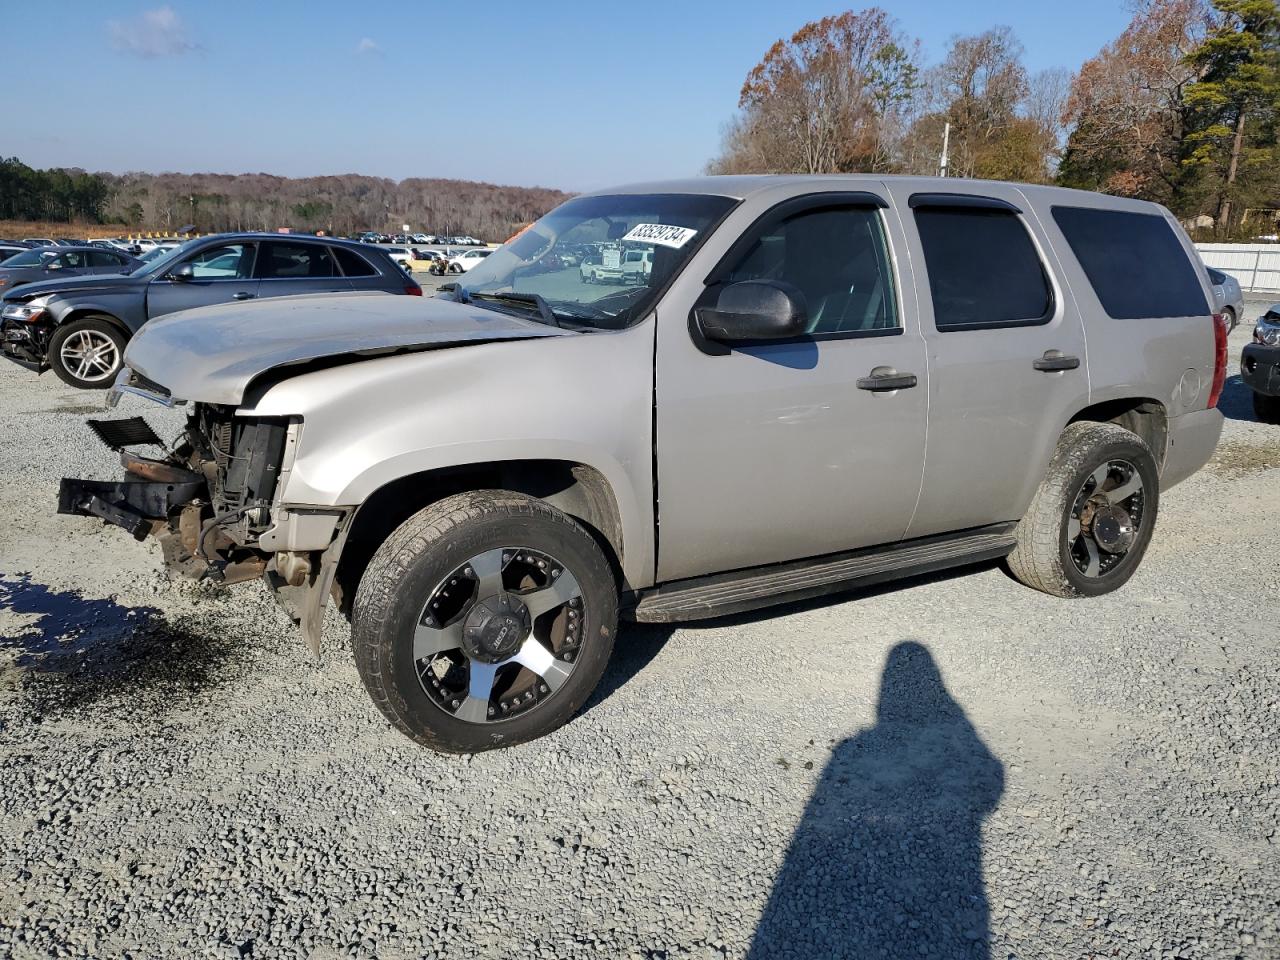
(739, 187)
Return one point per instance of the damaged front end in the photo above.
(212, 503)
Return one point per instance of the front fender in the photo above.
(581, 399)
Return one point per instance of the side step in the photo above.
(721, 594)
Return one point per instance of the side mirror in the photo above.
(53, 265)
(183, 273)
(752, 310)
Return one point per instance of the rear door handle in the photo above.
(1054, 360)
(242, 295)
(883, 379)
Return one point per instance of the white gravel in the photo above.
(958, 767)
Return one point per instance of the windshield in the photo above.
(162, 259)
(32, 258)
(576, 257)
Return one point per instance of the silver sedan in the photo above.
(1227, 296)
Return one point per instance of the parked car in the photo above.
(8, 249)
(44, 263)
(39, 242)
(603, 266)
(1228, 298)
(79, 327)
(1260, 366)
(467, 260)
(833, 381)
(636, 266)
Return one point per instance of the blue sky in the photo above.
(572, 95)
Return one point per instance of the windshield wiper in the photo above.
(532, 299)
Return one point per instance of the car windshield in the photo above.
(162, 258)
(546, 261)
(32, 258)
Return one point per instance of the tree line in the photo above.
(1182, 108)
(257, 201)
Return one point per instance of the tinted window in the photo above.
(75, 259)
(295, 261)
(233, 261)
(1135, 262)
(838, 259)
(101, 258)
(983, 269)
(353, 265)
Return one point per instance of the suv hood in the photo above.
(81, 284)
(212, 354)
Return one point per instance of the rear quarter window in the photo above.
(353, 265)
(1134, 261)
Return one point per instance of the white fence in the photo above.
(1255, 265)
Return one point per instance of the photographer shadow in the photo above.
(887, 859)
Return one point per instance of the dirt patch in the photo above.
(1236, 459)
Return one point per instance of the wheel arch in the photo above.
(577, 489)
(95, 313)
(1144, 416)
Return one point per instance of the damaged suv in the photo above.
(820, 383)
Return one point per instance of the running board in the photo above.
(720, 594)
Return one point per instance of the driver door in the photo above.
(782, 450)
(220, 274)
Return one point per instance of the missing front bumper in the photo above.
(138, 506)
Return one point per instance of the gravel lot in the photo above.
(958, 767)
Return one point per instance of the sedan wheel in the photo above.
(87, 353)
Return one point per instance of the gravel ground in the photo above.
(957, 767)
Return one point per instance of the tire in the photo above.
(1229, 313)
(430, 555)
(81, 337)
(1266, 409)
(454, 268)
(1058, 534)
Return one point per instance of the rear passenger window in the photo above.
(353, 265)
(838, 259)
(983, 268)
(295, 261)
(1134, 261)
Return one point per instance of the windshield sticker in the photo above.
(661, 234)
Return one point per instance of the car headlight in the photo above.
(28, 312)
(1267, 333)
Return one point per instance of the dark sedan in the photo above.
(46, 263)
(79, 327)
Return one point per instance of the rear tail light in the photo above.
(1219, 358)
(414, 290)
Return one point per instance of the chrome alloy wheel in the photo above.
(90, 355)
(499, 635)
(1105, 518)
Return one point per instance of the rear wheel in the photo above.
(87, 353)
(485, 620)
(1267, 409)
(1090, 521)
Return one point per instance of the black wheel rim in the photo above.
(499, 636)
(1106, 518)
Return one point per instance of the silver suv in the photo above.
(821, 383)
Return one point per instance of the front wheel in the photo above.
(1090, 521)
(87, 353)
(484, 620)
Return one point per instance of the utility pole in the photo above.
(946, 146)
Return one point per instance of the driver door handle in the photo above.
(883, 380)
(242, 295)
(1054, 360)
